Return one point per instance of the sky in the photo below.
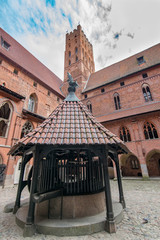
(117, 29)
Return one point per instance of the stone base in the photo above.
(70, 227)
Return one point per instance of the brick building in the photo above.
(124, 97)
(29, 92)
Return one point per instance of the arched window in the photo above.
(89, 106)
(117, 101)
(76, 58)
(69, 53)
(150, 131)
(146, 93)
(27, 127)
(69, 62)
(125, 134)
(76, 50)
(32, 104)
(5, 116)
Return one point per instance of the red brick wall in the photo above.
(23, 85)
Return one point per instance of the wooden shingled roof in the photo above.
(71, 123)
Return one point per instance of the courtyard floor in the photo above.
(141, 216)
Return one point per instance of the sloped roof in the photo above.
(19, 55)
(70, 123)
(124, 68)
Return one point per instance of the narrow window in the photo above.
(5, 44)
(102, 90)
(49, 93)
(15, 71)
(146, 93)
(144, 75)
(85, 96)
(34, 84)
(32, 103)
(122, 84)
(76, 50)
(117, 101)
(69, 62)
(89, 106)
(69, 53)
(140, 60)
(125, 134)
(27, 127)
(76, 58)
(57, 99)
(134, 164)
(150, 131)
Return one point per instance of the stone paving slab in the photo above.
(141, 217)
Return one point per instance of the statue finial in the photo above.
(72, 88)
(72, 84)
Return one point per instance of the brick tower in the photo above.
(79, 60)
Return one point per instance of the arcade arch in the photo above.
(130, 165)
(153, 163)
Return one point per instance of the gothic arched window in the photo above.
(117, 101)
(32, 104)
(146, 93)
(27, 127)
(5, 116)
(150, 131)
(89, 106)
(125, 134)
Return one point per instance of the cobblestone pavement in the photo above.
(141, 217)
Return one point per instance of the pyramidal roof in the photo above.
(71, 123)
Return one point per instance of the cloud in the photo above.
(116, 29)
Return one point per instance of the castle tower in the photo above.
(79, 61)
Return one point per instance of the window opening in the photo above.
(34, 84)
(69, 53)
(117, 101)
(76, 58)
(125, 134)
(140, 60)
(85, 96)
(102, 90)
(89, 106)
(134, 163)
(49, 93)
(76, 50)
(15, 71)
(32, 103)
(27, 127)
(144, 75)
(150, 131)
(122, 84)
(69, 62)
(147, 93)
(5, 114)
(5, 44)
